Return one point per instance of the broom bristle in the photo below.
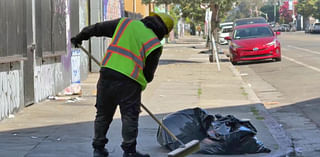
(190, 147)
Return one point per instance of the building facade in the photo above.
(136, 9)
(36, 54)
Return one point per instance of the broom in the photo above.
(184, 149)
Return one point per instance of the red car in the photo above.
(254, 42)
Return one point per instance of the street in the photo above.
(290, 89)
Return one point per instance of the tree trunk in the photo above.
(214, 19)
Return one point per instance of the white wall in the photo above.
(11, 89)
(49, 79)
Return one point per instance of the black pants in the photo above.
(113, 91)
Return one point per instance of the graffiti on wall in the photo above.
(9, 92)
(47, 77)
(112, 9)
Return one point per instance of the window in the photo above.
(227, 30)
(252, 32)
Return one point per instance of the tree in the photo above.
(245, 9)
(190, 10)
(285, 13)
(195, 13)
(219, 9)
(316, 13)
(306, 9)
(269, 9)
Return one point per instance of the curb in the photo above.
(278, 133)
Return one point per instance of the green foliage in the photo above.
(191, 10)
(174, 12)
(316, 13)
(269, 9)
(243, 9)
(309, 8)
(219, 10)
(225, 7)
(305, 7)
(193, 13)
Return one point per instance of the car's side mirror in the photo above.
(227, 38)
(278, 33)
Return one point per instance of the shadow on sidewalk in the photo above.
(243, 63)
(74, 140)
(174, 61)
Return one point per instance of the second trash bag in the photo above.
(218, 134)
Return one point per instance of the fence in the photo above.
(50, 23)
(51, 27)
(12, 30)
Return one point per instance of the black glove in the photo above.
(75, 41)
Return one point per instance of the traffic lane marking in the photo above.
(304, 49)
(300, 63)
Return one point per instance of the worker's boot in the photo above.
(136, 154)
(100, 152)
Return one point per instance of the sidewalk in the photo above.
(184, 79)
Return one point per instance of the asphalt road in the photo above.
(290, 89)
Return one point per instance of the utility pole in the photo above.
(293, 14)
(166, 11)
(275, 11)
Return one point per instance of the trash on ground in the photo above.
(59, 97)
(11, 116)
(73, 100)
(73, 89)
(218, 134)
(68, 99)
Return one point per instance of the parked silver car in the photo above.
(315, 28)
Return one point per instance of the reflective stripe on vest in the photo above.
(123, 26)
(147, 46)
(135, 72)
(124, 52)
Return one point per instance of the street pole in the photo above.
(274, 11)
(293, 16)
(166, 11)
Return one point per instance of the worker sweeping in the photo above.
(128, 65)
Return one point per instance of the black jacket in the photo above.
(107, 29)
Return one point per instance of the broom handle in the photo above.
(163, 126)
(144, 107)
(90, 56)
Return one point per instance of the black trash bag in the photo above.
(225, 135)
(187, 125)
(229, 135)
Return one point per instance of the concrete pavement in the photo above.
(184, 79)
